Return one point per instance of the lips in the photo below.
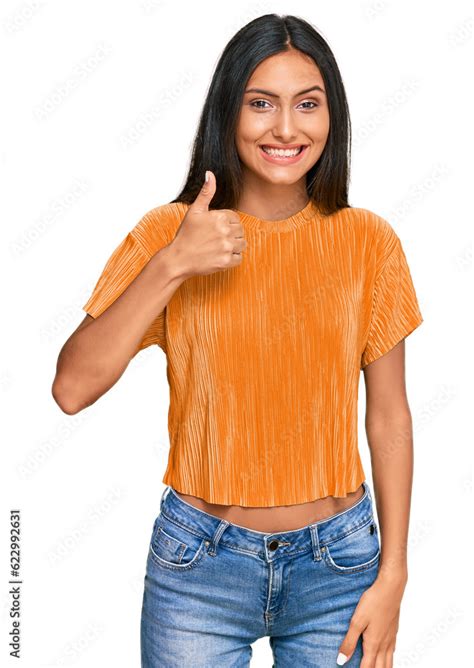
(284, 148)
(282, 159)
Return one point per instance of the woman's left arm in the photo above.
(388, 425)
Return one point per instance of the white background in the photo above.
(81, 164)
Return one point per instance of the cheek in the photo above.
(323, 127)
(250, 127)
(243, 149)
(316, 127)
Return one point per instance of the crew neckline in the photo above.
(293, 222)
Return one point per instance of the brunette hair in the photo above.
(214, 143)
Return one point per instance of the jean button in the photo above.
(273, 545)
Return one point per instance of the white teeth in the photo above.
(282, 153)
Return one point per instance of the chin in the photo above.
(284, 179)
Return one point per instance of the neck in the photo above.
(273, 202)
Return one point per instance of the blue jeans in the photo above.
(212, 588)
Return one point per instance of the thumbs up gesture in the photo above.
(208, 241)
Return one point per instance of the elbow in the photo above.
(66, 399)
(389, 427)
(388, 417)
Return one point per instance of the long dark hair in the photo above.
(214, 144)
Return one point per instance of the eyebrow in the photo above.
(266, 92)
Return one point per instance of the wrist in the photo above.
(171, 265)
(393, 571)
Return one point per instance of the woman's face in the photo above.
(276, 112)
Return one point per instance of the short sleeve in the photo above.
(123, 266)
(395, 311)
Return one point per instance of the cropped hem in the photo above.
(229, 497)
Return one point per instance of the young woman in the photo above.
(268, 293)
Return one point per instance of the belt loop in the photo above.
(367, 489)
(164, 495)
(222, 526)
(315, 541)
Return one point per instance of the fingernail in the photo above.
(341, 659)
(207, 176)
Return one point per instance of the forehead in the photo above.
(286, 71)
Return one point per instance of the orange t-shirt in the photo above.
(264, 359)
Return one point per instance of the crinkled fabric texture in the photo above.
(264, 359)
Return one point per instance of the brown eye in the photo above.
(256, 101)
(311, 102)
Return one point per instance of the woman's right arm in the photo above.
(100, 349)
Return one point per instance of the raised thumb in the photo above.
(205, 195)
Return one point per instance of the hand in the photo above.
(208, 241)
(376, 617)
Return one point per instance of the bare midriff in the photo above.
(277, 518)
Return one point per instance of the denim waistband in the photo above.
(270, 545)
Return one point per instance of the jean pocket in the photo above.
(174, 547)
(354, 551)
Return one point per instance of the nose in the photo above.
(285, 127)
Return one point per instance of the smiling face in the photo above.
(279, 110)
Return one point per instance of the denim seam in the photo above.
(253, 553)
(332, 539)
(353, 529)
(261, 553)
(184, 526)
(182, 545)
(178, 567)
(350, 569)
